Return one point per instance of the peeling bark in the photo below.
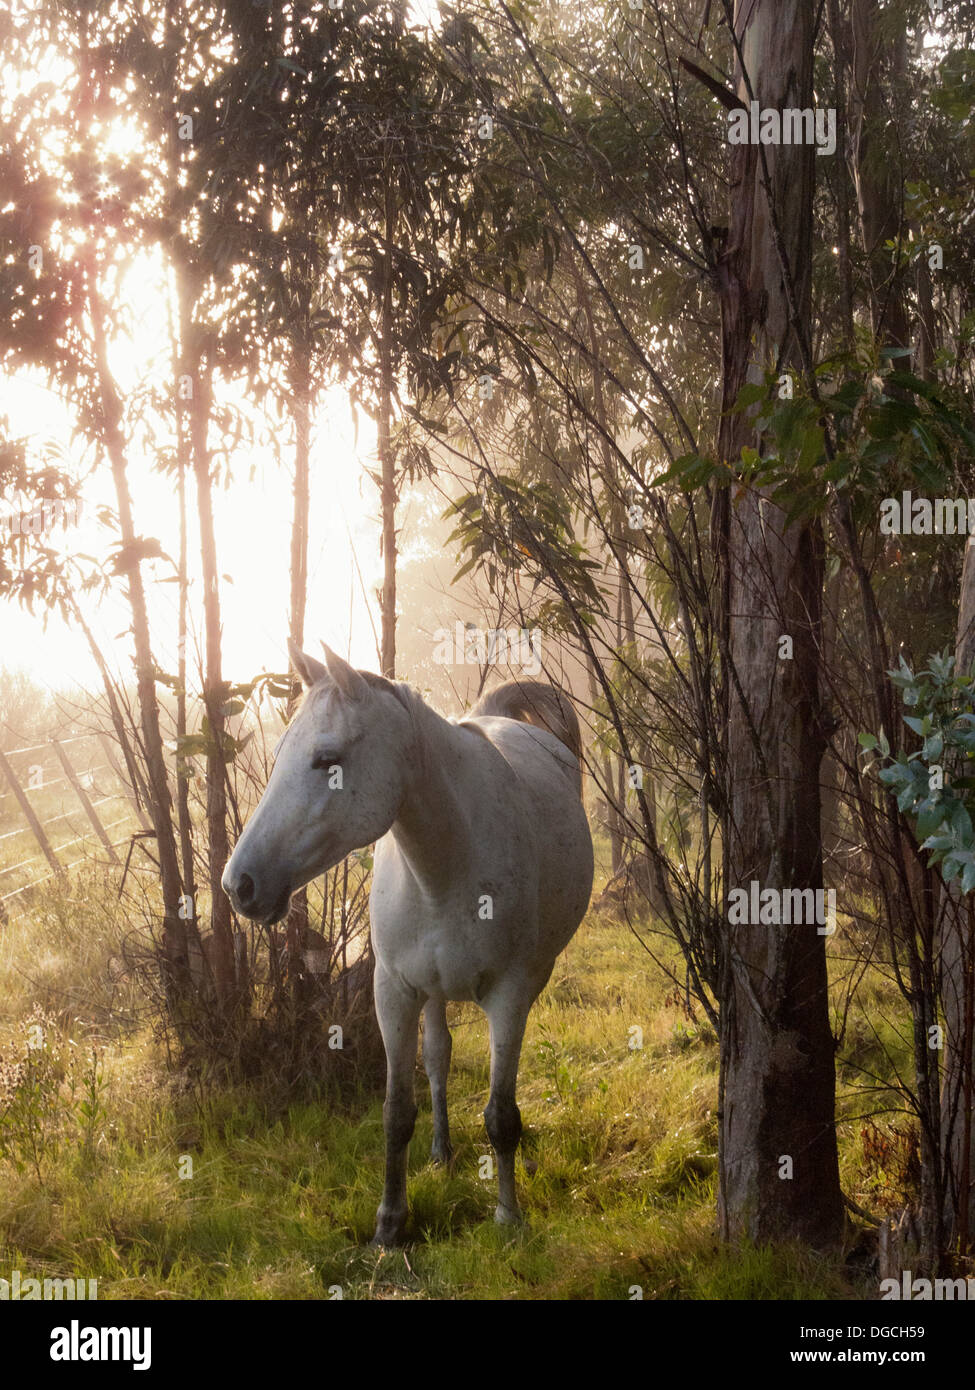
(778, 1084)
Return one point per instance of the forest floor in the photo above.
(616, 1173)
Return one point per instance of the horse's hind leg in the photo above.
(507, 1017)
(436, 1060)
(398, 1012)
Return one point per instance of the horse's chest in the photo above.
(452, 943)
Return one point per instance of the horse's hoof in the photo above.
(386, 1242)
(389, 1234)
(442, 1157)
(506, 1216)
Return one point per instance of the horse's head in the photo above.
(337, 783)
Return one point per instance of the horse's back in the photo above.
(545, 778)
(541, 706)
(545, 752)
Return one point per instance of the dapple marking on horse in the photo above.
(482, 873)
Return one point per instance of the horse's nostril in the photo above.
(245, 890)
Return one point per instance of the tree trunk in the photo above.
(878, 59)
(778, 1168)
(197, 370)
(182, 781)
(839, 34)
(387, 454)
(958, 992)
(610, 818)
(927, 343)
(296, 927)
(184, 819)
(182, 767)
(176, 979)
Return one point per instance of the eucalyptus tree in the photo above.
(828, 459)
(548, 131)
(73, 212)
(780, 1170)
(160, 74)
(382, 144)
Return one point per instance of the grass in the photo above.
(166, 1193)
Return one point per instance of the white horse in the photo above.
(482, 873)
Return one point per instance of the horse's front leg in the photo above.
(436, 1060)
(507, 1016)
(398, 1011)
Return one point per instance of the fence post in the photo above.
(28, 811)
(83, 797)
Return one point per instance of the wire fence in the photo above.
(63, 803)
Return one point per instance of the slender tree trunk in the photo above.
(171, 45)
(611, 818)
(779, 1169)
(182, 781)
(196, 373)
(175, 951)
(300, 383)
(958, 992)
(927, 344)
(878, 69)
(839, 33)
(387, 453)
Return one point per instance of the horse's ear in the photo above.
(310, 670)
(346, 677)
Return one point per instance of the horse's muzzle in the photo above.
(248, 900)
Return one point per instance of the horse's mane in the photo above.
(537, 703)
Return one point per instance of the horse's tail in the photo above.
(535, 702)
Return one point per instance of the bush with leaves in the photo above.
(935, 785)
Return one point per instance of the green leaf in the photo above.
(950, 868)
(750, 394)
(929, 821)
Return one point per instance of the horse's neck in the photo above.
(432, 828)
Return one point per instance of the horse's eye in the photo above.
(323, 761)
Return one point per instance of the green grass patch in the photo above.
(239, 1194)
